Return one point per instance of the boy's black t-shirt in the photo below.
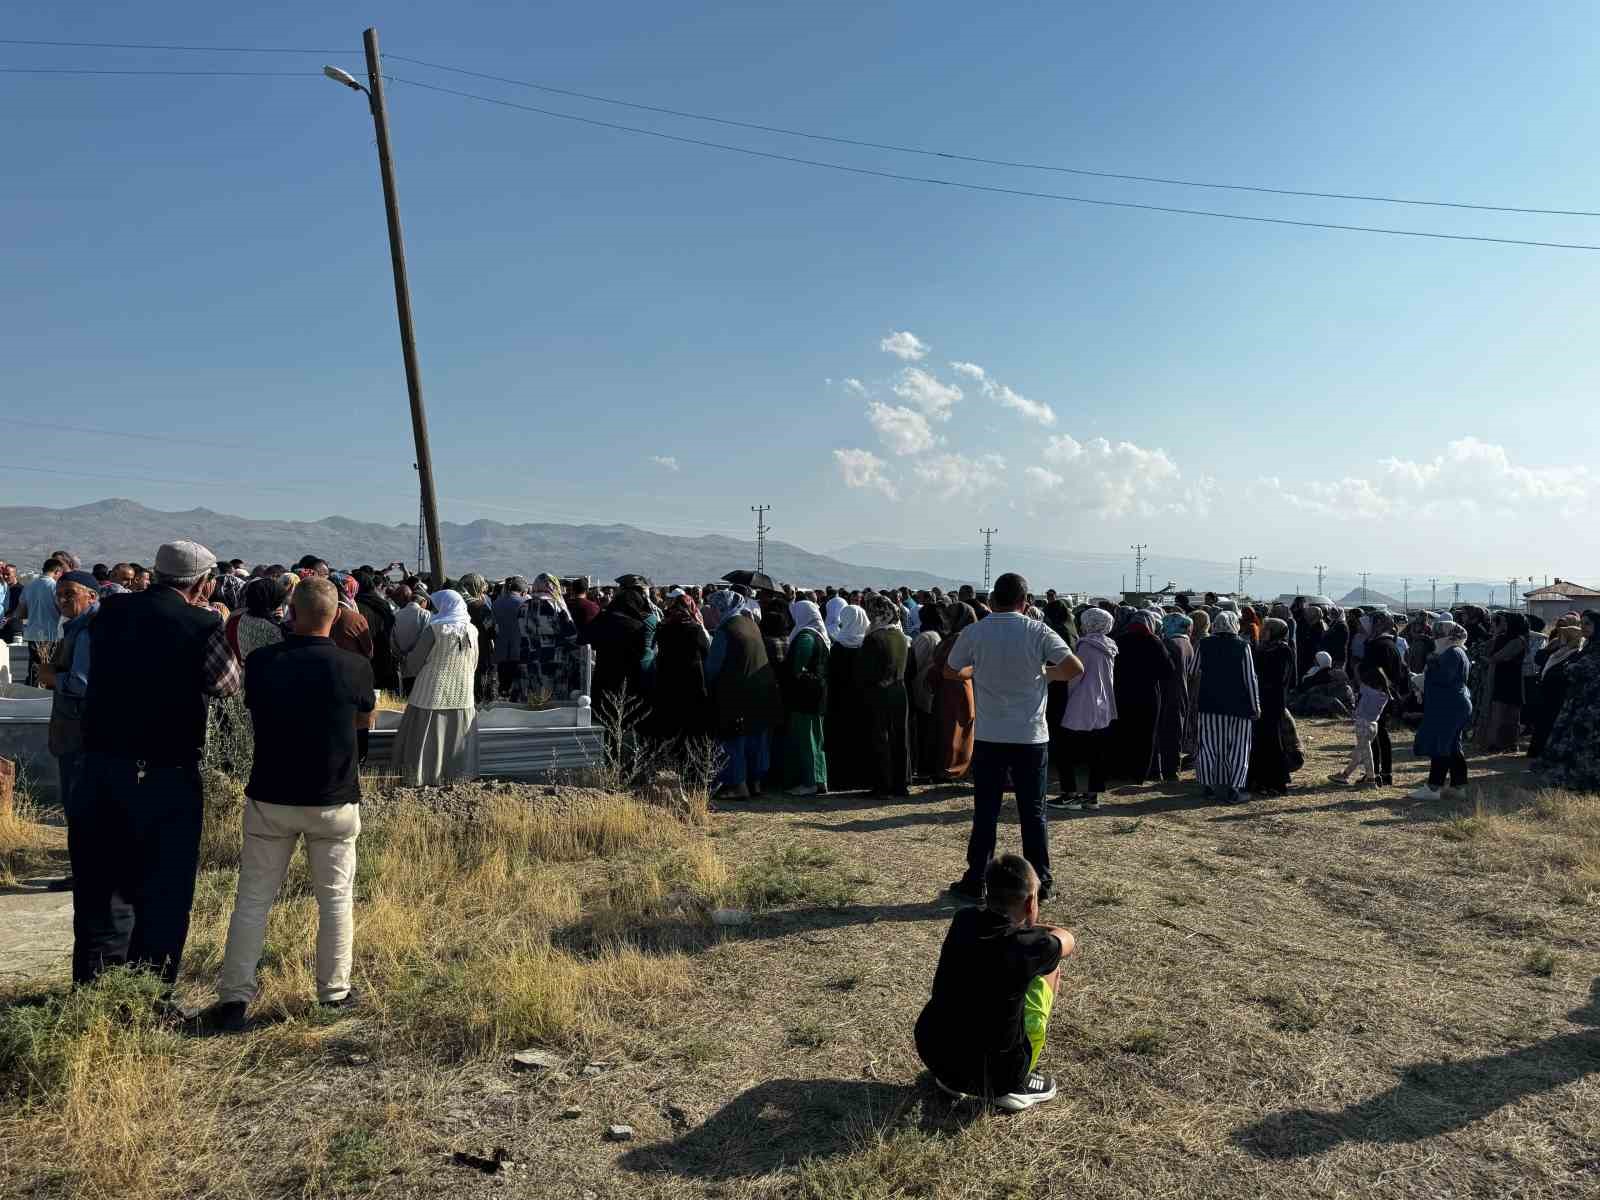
(970, 1034)
(303, 694)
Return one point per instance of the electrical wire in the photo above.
(1017, 164)
(980, 159)
(297, 452)
(992, 189)
(148, 71)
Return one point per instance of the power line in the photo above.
(984, 187)
(165, 437)
(158, 46)
(952, 156)
(150, 71)
(686, 114)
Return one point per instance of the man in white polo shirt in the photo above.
(1014, 659)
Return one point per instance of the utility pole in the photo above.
(1322, 571)
(1511, 594)
(402, 294)
(988, 553)
(1247, 566)
(1138, 564)
(1364, 575)
(762, 529)
(1405, 595)
(1457, 603)
(1435, 604)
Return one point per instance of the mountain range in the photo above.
(117, 530)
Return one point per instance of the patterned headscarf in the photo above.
(720, 606)
(1175, 625)
(1225, 621)
(547, 587)
(883, 613)
(1143, 619)
(1094, 620)
(682, 610)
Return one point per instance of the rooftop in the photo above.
(1561, 589)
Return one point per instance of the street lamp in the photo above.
(402, 293)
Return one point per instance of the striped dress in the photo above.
(1222, 759)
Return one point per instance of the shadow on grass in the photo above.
(785, 1122)
(1434, 1098)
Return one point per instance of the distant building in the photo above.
(1559, 598)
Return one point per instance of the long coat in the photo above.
(1446, 705)
(1142, 668)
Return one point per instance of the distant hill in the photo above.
(112, 530)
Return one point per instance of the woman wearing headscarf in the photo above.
(1500, 730)
(1566, 645)
(845, 724)
(775, 627)
(1228, 701)
(1336, 639)
(1571, 757)
(475, 591)
(622, 641)
(436, 742)
(1081, 736)
(958, 713)
(260, 624)
(830, 616)
(881, 677)
(548, 648)
(746, 704)
(1313, 628)
(1058, 615)
(1175, 689)
(1191, 736)
(1142, 669)
(1270, 761)
(924, 692)
(1381, 667)
(805, 758)
(1446, 712)
(680, 706)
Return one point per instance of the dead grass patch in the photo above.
(27, 844)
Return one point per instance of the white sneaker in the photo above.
(1037, 1090)
(1425, 793)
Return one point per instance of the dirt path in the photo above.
(35, 932)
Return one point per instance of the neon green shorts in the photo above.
(1036, 1004)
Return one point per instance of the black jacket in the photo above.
(1380, 654)
(1227, 677)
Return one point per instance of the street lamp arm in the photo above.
(344, 77)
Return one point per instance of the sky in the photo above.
(616, 327)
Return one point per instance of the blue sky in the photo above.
(205, 259)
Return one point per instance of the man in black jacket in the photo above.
(305, 696)
(157, 656)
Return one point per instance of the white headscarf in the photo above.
(807, 617)
(1226, 621)
(852, 627)
(835, 606)
(449, 613)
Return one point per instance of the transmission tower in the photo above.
(1247, 567)
(762, 529)
(988, 554)
(1457, 603)
(1364, 575)
(1138, 564)
(1435, 604)
(1322, 572)
(1511, 593)
(1405, 595)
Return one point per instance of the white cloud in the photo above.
(855, 386)
(905, 345)
(1472, 478)
(1119, 477)
(1033, 410)
(665, 460)
(902, 430)
(928, 393)
(1044, 480)
(864, 469)
(953, 475)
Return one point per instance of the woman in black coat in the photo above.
(1142, 668)
(620, 639)
(1275, 679)
(680, 705)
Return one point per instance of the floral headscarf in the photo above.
(547, 587)
(721, 606)
(682, 610)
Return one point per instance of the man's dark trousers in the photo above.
(135, 848)
(1025, 767)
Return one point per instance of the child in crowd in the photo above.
(983, 1029)
(1369, 707)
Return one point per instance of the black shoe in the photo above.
(1087, 803)
(1061, 803)
(225, 1016)
(348, 1000)
(1046, 890)
(59, 885)
(961, 889)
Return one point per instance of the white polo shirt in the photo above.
(1008, 653)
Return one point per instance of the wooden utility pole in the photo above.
(402, 300)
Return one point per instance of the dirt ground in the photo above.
(1332, 994)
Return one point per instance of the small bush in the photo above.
(792, 875)
(1541, 961)
(43, 1044)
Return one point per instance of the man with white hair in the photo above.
(158, 656)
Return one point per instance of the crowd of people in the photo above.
(810, 691)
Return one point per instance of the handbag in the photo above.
(1289, 734)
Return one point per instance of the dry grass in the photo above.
(1330, 994)
(27, 843)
